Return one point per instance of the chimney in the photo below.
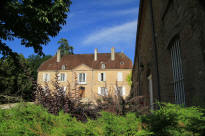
(96, 54)
(112, 53)
(58, 55)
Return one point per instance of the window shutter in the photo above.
(106, 91)
(119, 76)
(59, 76)
(78, 77)
(104, 76)
(99, 90)
(65, 76)
(64, 89)
(44, 76)
(123, 91)
(85, 77)
(115, 88)
(99, 76)
(48, 77)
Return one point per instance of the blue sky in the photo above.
(94, 24)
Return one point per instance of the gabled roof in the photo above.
(72, 61)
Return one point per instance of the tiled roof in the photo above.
(72, 61)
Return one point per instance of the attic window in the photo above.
(63, 67)
(103, 66)
(122, 62)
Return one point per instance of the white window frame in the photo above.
(80, 81)
(100, 89)
(100, 78)
(46, 77)
(103, 66)
(123, 91)
(63, 67)
(119, 76)
(60, 77)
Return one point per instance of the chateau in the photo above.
(94, 75)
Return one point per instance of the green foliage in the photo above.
(34, 62)
(129, 79)
(65, 47)
(15, 79)
(16, 76)
(32, 120)
(32, 21)
(169, 120)
(175, 120)
(113, 125)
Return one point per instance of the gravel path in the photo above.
(8, 106)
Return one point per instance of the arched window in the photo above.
(178, 77)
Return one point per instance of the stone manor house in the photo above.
(169, 63)
(94, 75)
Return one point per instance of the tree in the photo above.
(65, 47)
(15, 81)
(129, 79)
(32, 21)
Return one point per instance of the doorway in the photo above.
(82, 92)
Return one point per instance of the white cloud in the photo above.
(113, 2)
(117, 35)
(122, 12)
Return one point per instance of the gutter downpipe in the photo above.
(155, 51)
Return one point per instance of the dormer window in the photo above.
(63, 67)
(122, 62)
(103, 66)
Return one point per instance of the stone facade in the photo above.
(161, 23)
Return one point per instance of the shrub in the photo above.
(176, 120)
(56, 100)
(33, 120)
(169, 120)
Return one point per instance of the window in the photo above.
(102, 91)
(82, 78)
(103, 66)
(119, 76)
(120, 91)
(62, 77)
(46, 77)
(63, 67)
(101, 76)
(122, 62)
(178, 78)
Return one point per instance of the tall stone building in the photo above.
(169, 63)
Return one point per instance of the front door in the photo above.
(82, 92)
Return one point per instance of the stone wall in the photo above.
(185, 19)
